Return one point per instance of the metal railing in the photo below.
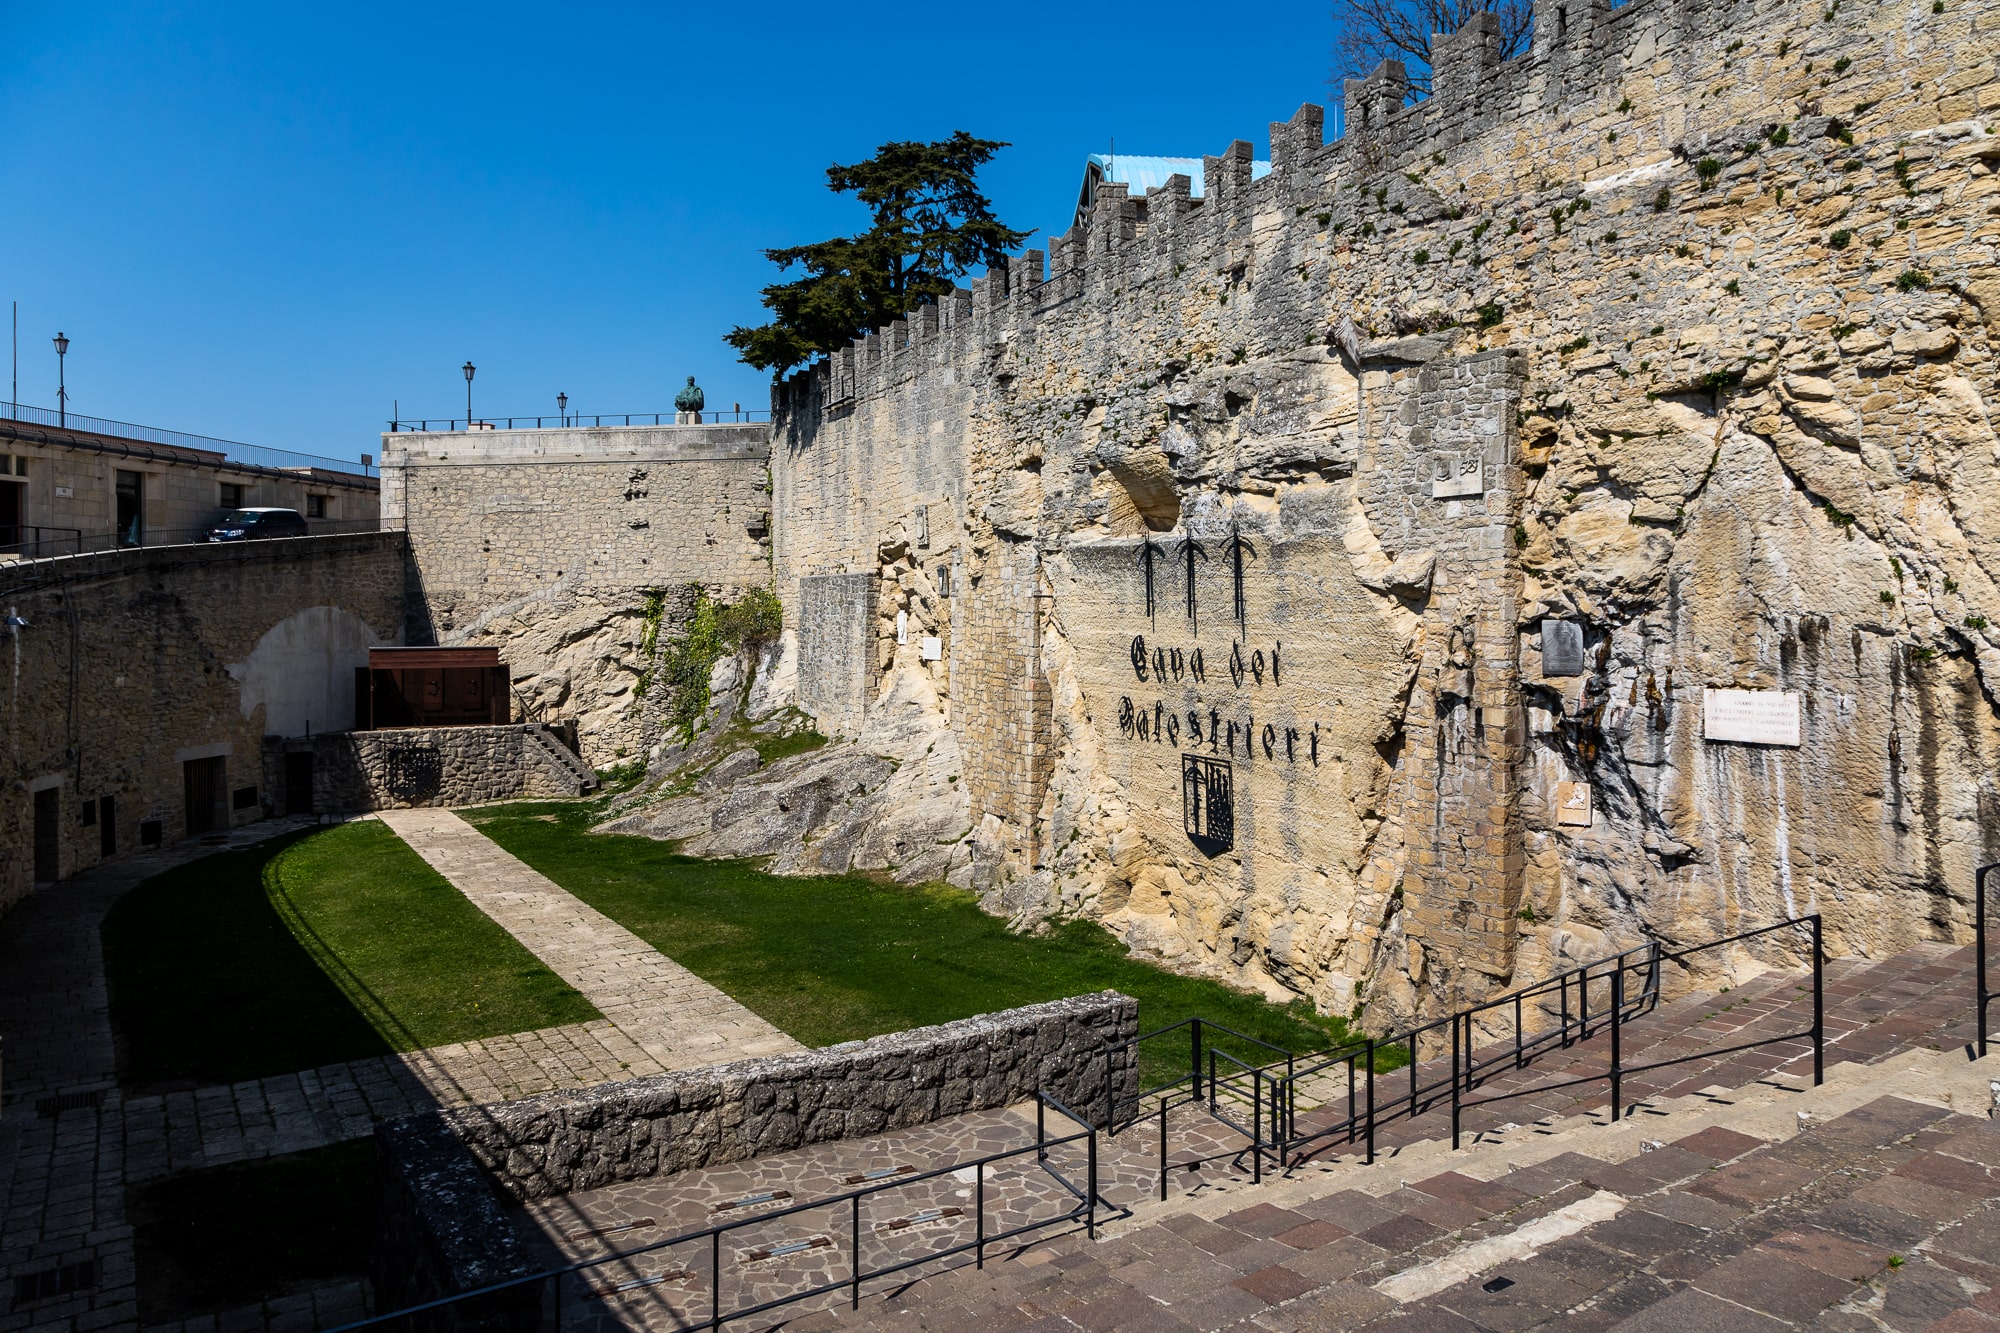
(1571, 1022)
(51, 542)
(546, 1288)
(1982, 997)
(257, 455)
(575, 421)
(1260, 1099)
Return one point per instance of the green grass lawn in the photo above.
(337, 944)
(233, 1235)
(835, 958)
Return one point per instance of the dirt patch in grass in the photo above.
(234, 1235)
(337, 944)
(836, 958)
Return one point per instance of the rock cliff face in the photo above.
(1330, 584)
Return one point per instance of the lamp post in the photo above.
(469, 369)
(62, 379)
(562, 406)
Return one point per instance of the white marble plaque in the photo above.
(1454, 475)
(1752, 717)
(1573, 804)
(931, 648)
(902, 627)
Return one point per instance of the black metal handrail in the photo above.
(1466, 1068)
(1088, 1198)
(72, 541)
(736, 414)
(1982, 997)
(235, 451)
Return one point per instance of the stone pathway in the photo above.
(62, 1132)
(184, 1131)
(676, 1017)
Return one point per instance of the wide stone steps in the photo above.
(1703, 1212)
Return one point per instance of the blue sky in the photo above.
(269, 222)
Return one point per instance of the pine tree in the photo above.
(931, 226)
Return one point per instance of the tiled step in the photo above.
(1716, 1229)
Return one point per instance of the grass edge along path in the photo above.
(834, 958)
(318, 948)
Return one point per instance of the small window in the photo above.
(244, 798)
(232, 495)
(20, 466)
(87, 814)
(149, 833)
(315, 506)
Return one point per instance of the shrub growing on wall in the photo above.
(685, 661)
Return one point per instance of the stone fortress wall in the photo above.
(1656, 362)
(551, 544)
(134, 664)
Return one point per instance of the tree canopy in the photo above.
(1372, 31)
(931, 226)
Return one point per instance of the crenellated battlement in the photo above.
(1581, 49)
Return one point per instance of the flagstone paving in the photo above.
(679, 1019)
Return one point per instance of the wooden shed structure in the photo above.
(431, 687)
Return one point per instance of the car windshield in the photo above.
(238, 517)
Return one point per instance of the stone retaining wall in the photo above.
(440, 1234)
(404, 767)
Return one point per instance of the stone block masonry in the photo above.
(446, 1231)
(836, 620)
(550, 544)
(1679, 329)
(135, 700)
(398, 768)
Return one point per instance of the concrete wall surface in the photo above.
(133, 664)
(68, 479)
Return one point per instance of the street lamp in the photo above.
(62, 380)
(562, 406)
(469, 369)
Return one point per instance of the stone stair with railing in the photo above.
(1734, 1194)
(564, 759)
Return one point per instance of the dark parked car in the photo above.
(242, 525)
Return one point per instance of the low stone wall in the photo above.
(444, 1231)
(399, 768)
(561, 1142)
(443, 1228)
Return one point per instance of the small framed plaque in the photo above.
(1573, 808)
(1751, 717)
(1562, 648)
(1457, 475)
(931, 648)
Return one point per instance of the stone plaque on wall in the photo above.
(1457, 475)
(836, 620)
(1751, 717)
(1562, 648)
(931, 648)
(1573, 804)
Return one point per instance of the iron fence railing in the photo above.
(1982, 997)
(51, 542)
(235, 451)
(1260, 1097)
(542, 1292)
(573, 420)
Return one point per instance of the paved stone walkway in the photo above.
(676, 1017)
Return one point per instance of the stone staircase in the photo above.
(564, 760)
(1734, 1195)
